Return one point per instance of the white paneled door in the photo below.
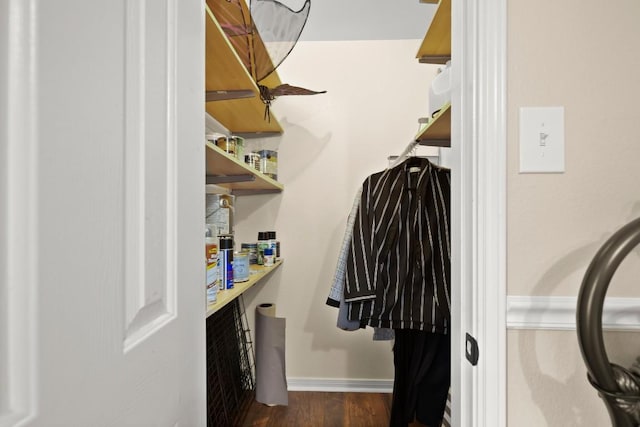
(101, 209)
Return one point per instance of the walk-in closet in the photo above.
(385, 105)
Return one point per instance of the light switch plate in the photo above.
(542, 139)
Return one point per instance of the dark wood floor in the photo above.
(323, 409)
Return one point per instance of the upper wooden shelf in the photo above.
(224, 72)
(437, 132)
(240, 178)
(436, 46)
(258, 272)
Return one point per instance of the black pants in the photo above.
(422, 362)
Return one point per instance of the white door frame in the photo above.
(479, 210)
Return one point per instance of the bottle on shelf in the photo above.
(226, 261)
(212, 273)
(269, 257)
(263, 243)
(274, 244)
(241, 271)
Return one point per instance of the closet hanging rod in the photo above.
(412, 145)
(409, 148)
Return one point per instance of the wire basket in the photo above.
(230, 366)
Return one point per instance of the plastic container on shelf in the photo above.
(252, 249)
(269, 257)
(253, 160)
(240, 266)
(269, 163)
(224, 142)
(219, 211)
(440, 90)
(239, 146)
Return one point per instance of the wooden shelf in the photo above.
(258, 272)
(437, 132)
(436, 46)
(224, 71)
(242, 178)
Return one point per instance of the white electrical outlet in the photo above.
(542, 139)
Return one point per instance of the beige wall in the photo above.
(376, 90)
(583, 55)
(547, 380)
(578, 54)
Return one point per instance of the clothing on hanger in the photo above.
(336, 294)
(398, 267)
(394, 274)
(422, 375)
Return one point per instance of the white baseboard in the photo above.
(340, 385)
(559, 313)
(523, 312)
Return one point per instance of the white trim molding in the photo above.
(478, 210)
(559, 313)
(19, 219)
(341, 385)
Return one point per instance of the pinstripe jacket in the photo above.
(398, 268)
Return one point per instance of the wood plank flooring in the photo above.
(324, 409)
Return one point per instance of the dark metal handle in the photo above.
(472, 350)
(589, 316)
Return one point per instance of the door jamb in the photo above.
(478, 216)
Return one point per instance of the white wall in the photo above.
(376, 90)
